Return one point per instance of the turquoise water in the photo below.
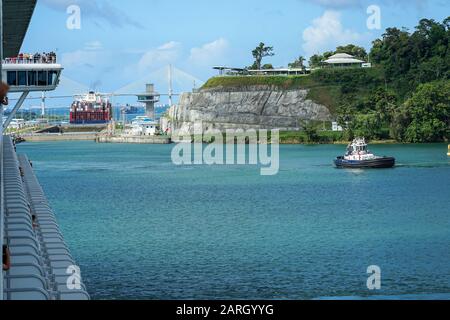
(141, 228)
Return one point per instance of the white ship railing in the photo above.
(40, 60)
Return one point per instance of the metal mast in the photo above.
(43, 104)
(170, 86)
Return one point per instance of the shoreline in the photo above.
(35, 138)
(95, 138)
(387, 142)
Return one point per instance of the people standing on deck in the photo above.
(22, 174)
(34, 221)
(33, 58)
(52, 56)
(4, 89)
(6, 258)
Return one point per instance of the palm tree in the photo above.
(298, 63)
(261, 52)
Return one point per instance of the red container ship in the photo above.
(92, 108)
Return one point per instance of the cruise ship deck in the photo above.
(41, 266)
(36, 262)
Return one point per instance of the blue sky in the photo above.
(123, 44)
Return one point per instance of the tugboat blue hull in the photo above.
(380, 163)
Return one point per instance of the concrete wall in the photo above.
(134, 140)
(59, 137)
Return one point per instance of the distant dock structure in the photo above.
(143, 129)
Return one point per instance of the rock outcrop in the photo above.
(259, 107)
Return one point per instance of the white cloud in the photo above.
(79, 58)
(326, 33)
(210, 53)
(169, 46)
(140, 62)
(199, 58)
(93, 45)
(155, 58)
(89, 56)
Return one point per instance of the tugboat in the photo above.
(359, 157)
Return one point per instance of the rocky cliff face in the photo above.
(250, 107)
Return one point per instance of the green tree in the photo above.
(356, 51)
(260, 52)
(252, 67)
(425, 117)
(311, 131)
(315, 60)
(367, 125)
(384, 103)
(328, 54)
(400, 122)
(406, 91)
(299, 63)
(345, 114)
(410, 59)
(267, 66)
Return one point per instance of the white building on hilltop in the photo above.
(344, 60)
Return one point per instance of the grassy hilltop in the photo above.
(326, 86)
(404, 97)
